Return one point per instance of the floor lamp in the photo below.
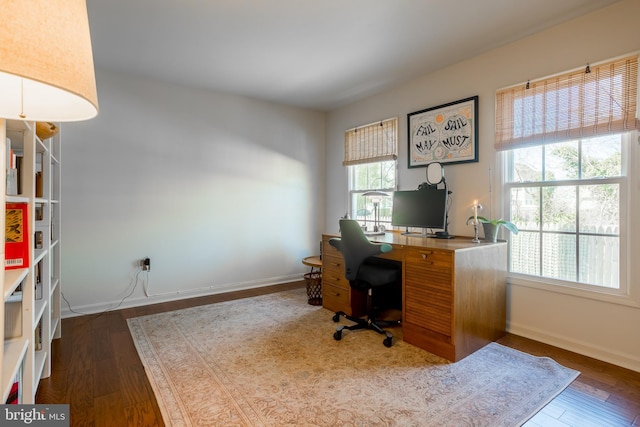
(46, 62)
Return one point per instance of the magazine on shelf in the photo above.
(16, 247)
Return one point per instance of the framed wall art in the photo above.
(447, 133)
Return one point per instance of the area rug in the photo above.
(272, 361)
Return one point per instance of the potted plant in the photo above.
(492, 227)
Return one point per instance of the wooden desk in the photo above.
(453, 291)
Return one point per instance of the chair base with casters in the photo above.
(365, 323)
(368, 273)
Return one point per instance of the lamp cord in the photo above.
(22, 115)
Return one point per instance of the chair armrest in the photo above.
(336, 243)
(385, 247)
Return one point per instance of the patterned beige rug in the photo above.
(272, 361)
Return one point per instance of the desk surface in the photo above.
(459, 243)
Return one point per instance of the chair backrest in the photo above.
(355, 247)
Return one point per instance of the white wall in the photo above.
(221, 192)
(608, 331)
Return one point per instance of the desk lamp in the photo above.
(46, 62)
(375, 199)
(435, 176)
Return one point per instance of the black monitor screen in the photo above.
(420, 208)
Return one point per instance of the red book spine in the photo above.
(16, 246)
(14, 394)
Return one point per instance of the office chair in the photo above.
(365, 272)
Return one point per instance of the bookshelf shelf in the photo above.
(40, 359)
(12, 279)
(39, 305)
(14, 352)
(54, 283)
(39, 255)
(54, 326)
(30, 318)
(16, 199)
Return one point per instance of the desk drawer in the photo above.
(329, 250)
(429, 258)
(429, 269)
(428, 290)
(336, 298)
(333, 272)
(422, 309)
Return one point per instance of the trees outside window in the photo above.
(566, 141)
(377, 176)
(566, 200)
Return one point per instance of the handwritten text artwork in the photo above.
(445, 134)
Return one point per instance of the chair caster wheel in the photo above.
(337, 335)
(336, 318)
(388, 342)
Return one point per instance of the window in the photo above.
(370, 155)
(377, 176)
(566, 200)
(566, 145)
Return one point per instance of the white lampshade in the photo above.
(46, 62)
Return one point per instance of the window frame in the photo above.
(594, 110)
(351, 191)
(373, 143)
(626, 293)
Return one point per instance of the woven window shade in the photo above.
(569, 106)
(371, 143)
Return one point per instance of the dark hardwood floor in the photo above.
(603, 395)
(97, 371)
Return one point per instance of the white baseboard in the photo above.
(174, 296)
(624, 360)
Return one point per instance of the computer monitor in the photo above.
(426, 209)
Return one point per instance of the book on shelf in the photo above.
(38, 240)
(16, 295)
(15, 393)
(16, 246)
(37, 342)
(39, 212)
(12, 171)
(19, 158)
(38, 279)
(39, 183)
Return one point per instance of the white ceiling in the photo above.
(317, 54)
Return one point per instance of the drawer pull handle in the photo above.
(425, 257)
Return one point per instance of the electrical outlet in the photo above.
(145, 263)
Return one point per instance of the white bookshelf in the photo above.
(30, 318)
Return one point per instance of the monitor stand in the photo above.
(414, 233)
(437, 235)
(442, 235)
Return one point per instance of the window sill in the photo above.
(614, 296)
